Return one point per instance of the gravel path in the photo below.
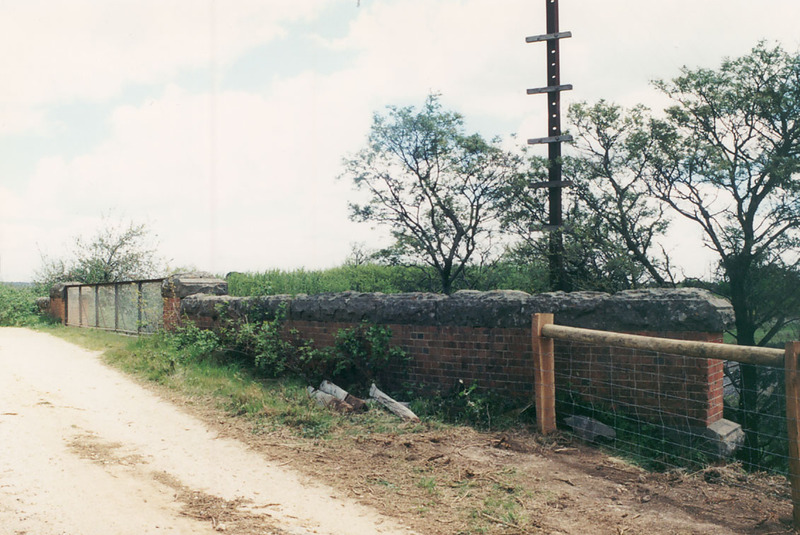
(84, 450)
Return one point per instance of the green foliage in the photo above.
(116, 252)
(193, 343)
(468, 404)
(727, 159)
(17, 306)
(512, 273)
(359, 278)
(360, 356)
(432, 185)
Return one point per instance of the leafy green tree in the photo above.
(611, 222)
(730, 163)
(433, 185)
(610, 182)
(116, 252)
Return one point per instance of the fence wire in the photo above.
(134, 307)
(654, 409)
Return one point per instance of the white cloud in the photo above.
(232, 175)
(56, 51)
(241, 180)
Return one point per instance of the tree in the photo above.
(116, 252)
(609, 173)
(730, 164)
(611, 223)
(434, 186)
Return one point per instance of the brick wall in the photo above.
(486, 338)
(57, 308)
(676, 390)
(441, 356)
(671, 389)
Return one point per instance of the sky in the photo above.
(222, 125)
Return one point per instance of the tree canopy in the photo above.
(116, 252)
(433, 185)
(611, 223)
(729, 161)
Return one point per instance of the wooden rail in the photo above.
(763, 356)
(544, 332)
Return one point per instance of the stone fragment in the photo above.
(590, 429)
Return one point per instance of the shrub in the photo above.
(17, 306)
(360, 355)
(193, 343)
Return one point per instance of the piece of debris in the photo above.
(328, 387)
(324, 399)
(395, 407)
(590, 429)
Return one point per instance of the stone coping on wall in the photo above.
(648, 310)
(182, 285)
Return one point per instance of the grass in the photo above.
(268, 403)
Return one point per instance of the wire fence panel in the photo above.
(89, 306)
(129, 307)
(73, 306)
(106, 307)
(660, 411)
(152, 306)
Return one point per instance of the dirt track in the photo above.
(84, 450)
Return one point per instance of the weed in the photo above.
(468, 404)
(429, 484)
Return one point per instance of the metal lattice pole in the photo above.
(553, 140)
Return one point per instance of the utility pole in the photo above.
(553, 140)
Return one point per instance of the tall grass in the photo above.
(384, 279)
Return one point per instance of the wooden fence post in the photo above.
(793, 424)
(544, 375)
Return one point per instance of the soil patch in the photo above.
(461, 481)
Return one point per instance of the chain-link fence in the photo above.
(134, 307)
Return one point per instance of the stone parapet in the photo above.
(656, 310)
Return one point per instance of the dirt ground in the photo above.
(87, 450)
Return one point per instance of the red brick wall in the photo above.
(669, 389)
(672, 389)
(172, 312)
(495, 358)
(57, 308)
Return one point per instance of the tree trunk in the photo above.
(445, 275)
(748, 396)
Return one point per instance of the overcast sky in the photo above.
(222, 124)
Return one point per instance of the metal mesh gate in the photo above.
(134, 307)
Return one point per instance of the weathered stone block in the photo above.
(409, 308)
(722, 438)
(183, 285)
(59, 289)
(199, 306)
